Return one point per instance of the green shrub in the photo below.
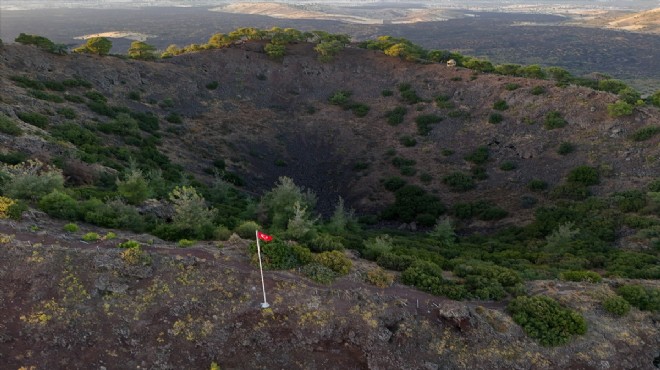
(16, 210)
(60, 205)
(511, 86)
(276, 255)
(222, 233)
(645, 133)
(443, 102)
(13, 157)
(619, 109)
(70, 228)
(538, 90)
(136, 256)
(479, 173)
(184, 243)
(67, 113)
(212, 85)
(91, 237)
(495, 118)
(96, 96)
(410, 96)
(33, 118)
(537, 185)
(379, 278)
(395, 262)
(7, 126)
(544, 319)
(360, 109)
(478, 156)
(566, 148)
(554, 120)
(571, 191)
(74, 98)
(646, 299)
(335, 261)
(247, 229)
(27, 83)
(325, 242)
(394, 183)
(341, 98)
(396, 115)
(616, 305)
(407, 141)
(113, 214)
(303, 254)
(45, 96)
(33, 180)
(630, 201)
(424, 123)
(459, 181)
(508, 166)
(411, 203)
(584, 175)
(426, 178)
(109, 236)
(134, 95)
(129, 244)
(387, 93)
(319, 273)
(500, 105)
(588, 276)
(174, 118)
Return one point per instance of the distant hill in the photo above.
(642, 22)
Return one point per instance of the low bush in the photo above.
(335, 261)
(619, 109)
(424, 123)
(129, 244)
(554, 120)
(396, 115)
(184, 243)
(379, 278)
(645, 133)
(91, 237)
(247, 229)
(616, 305)
(478, 156)
(395, 262)
(7, 126)
(136, 256)
(222, 233)
(33, 118)
(537, 185)
(544, 319)
(538, 90)
(646, 299)
(588, 276)
(59, 205)
(459, 181)
(565, 148)
(70, 228)
(508, 166)
(500, 105)
(319, 273)
(584, 175)
(495, 118)
(325, 242)
(212, 85)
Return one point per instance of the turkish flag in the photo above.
(264, 237)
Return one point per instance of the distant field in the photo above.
(497, 36)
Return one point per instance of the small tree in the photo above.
(328, 49)
(279, 203)
(443, 233)
(141, 50)
(190, 210)
(135, 187)
(342, 219)
(95, 45)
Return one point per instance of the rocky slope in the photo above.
(69, 304)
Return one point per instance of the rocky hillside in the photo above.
(69, 304)
(271, 118)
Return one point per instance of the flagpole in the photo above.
(263, 286)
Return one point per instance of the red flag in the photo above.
(264, 237)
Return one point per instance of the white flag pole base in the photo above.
(265, 305)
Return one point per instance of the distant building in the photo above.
(451, 63)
